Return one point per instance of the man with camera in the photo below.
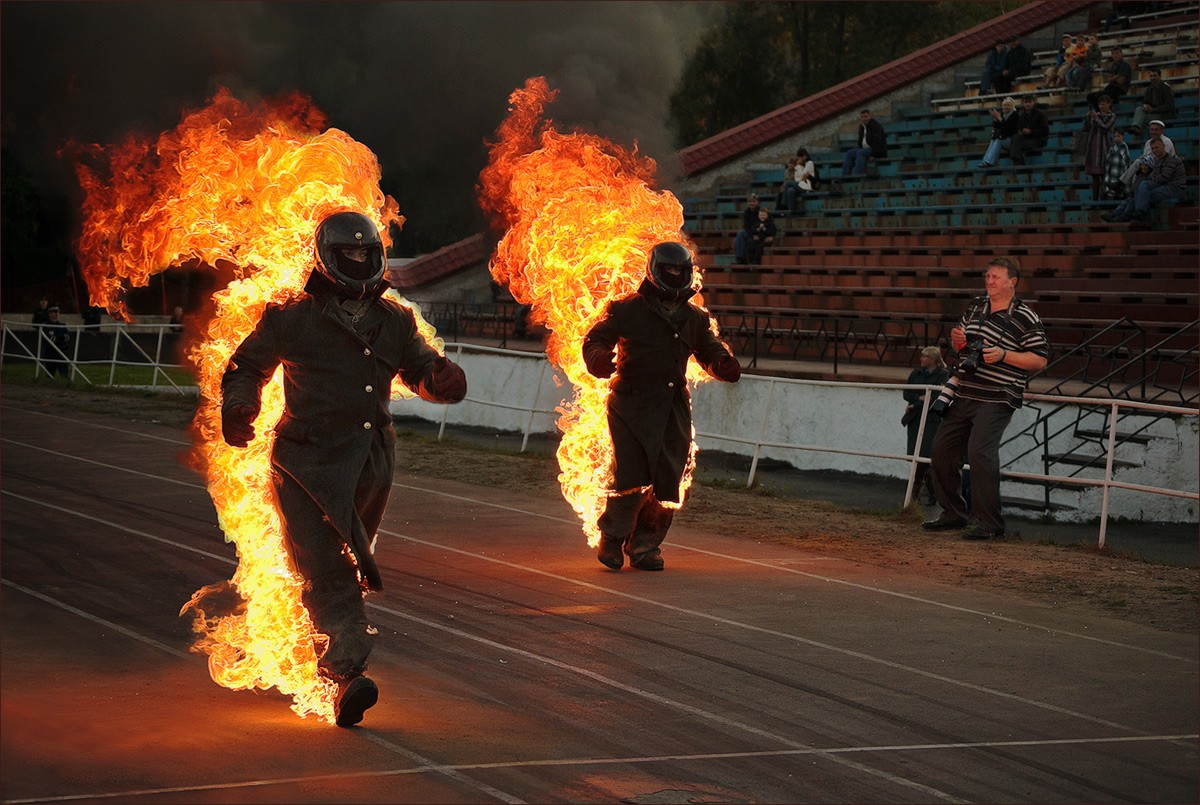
(1000, 340)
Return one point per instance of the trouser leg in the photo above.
(983, 453)
(617, 524)
(331, 592)
(946, 461)
(650, 529)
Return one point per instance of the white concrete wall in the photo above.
(834, 417)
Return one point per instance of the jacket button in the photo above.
(370, 389)
(367, 351)
(366, 426)
(676, 335)
(671, 385)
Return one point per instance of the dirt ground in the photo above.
(1159, 596)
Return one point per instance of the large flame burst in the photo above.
(579, 216)
(239, 189)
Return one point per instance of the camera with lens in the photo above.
(967, 364)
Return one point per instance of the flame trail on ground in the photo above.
(579, 215)
(239, 189)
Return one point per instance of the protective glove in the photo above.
(237, 424)
(599, 362)
(726, 368)
(447, 380)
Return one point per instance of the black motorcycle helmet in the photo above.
(338, 236)
(669, 269)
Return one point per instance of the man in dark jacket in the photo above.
(741, 241)
(871, 144)
(1018, 64)
(1033, 130)
(1119, 75)
(652, 332)
(993, 68)
(1158, 101)
(340, 346)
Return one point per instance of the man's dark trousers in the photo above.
(971, 431)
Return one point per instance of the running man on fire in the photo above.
(340, 346)
(653, 333)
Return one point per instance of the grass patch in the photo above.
(99, 376)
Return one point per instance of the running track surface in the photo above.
(514, 668)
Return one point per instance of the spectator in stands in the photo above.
(1077, 58)
(1033, 130)
(1098, 126)
(1079, 77)
(1056, 73)
(176, 321)
(643, 342)
(1119, 74)
(749, 222)
(1115, 164)
(931, 372)
(872, 144)
(41, 313)
(762, 236)
(1019, 63)
(798, 178)
(1157, 130)
(993, 68)
(1158, 100)
(1161, 181)
(1004, 126)
(1006, 338)
(59, 337)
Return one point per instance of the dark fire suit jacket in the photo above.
(336, 386)
(650, 409)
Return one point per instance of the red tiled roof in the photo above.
(443, 262)
(852, 94)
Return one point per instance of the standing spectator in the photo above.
(41, 313)
(931, 372)
(1004, 127)
(1019, 63)
(1098, 125)
(1006, 338)
(1115, 164)
(1158, 100)
(993, 68)
(749, 222)
(1161, 181)
(176, 320)
(1119, 74)
(57, 335)
(872, 144)
(1033, 130)
(1056, 73)
(643, 342)
(762, 236)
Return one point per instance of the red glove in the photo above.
(726, 368)
(447, 381)
(237, 424)
(600, 363)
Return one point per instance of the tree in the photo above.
(762, 56)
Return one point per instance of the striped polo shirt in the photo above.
(1019, 332)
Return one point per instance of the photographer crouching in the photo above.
(1000, 340)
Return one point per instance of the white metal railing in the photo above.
(14, 347)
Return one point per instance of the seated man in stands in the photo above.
(1156, 131)
(1119, 75)
(993, 68)
(1033, 130)
(872, 144)
(749, 222)
(1162, 181)
(1158, 101)
(762, 236)
(1019, 64)
(1057, 72)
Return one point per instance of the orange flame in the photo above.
(241, 187)
(579, 215)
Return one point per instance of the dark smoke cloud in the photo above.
(421, 84)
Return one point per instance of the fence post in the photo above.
(762, 429)
(912, 466)
(112, 366)
(1108, 469)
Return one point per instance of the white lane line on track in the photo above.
(695, 711)
(776, 567)
(641, 599)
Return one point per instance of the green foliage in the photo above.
(762, 56)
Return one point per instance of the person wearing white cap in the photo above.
(1156, 132)
(1158, 101)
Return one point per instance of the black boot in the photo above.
(610, 553)
(355, 698)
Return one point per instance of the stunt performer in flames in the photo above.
(653, 332)
(340, 345)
